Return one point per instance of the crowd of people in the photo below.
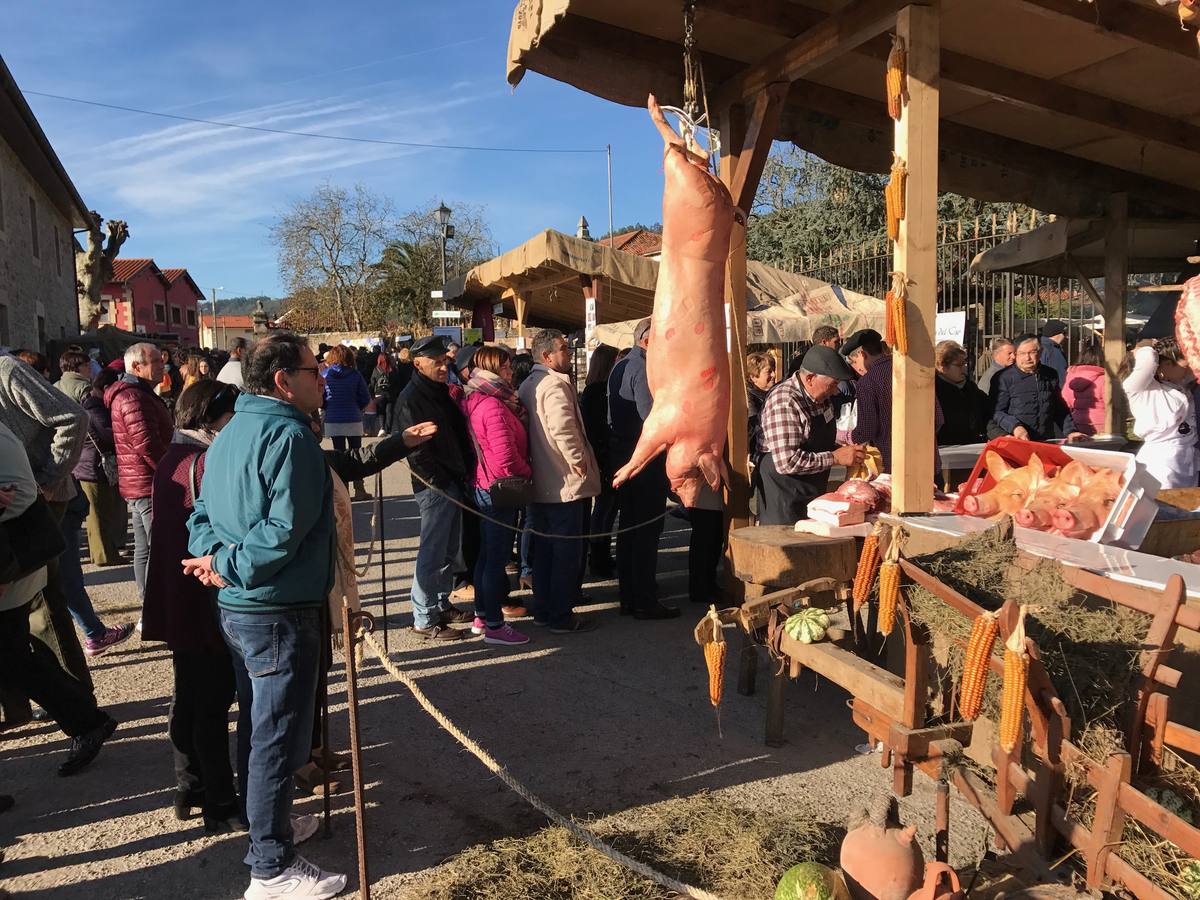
(242, 540)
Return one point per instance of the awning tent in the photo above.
(1069, 248)
(550, 273)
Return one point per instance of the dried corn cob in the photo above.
(1012, 701)
(714, 657)
(897, 65)
(975, 665)
(893, 211)
(889, 594)
(868, 566)
(899, 294)
(900, 180)
(889, 319)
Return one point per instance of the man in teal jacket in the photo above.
(263, 533)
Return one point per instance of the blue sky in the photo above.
(203, 197)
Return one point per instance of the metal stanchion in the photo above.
(352, 620)
(382, 520)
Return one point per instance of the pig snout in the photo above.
(1064, 520)
(1031, 518)
(981, 505)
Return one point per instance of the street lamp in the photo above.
(447, 232)
(213, 336)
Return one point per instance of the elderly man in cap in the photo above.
(1054, 333)
(643, 498)
(440, 469)
(1028, 398)
(799, 439)
(464, 578)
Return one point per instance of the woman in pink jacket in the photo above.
(1084, 391)
(498, 425)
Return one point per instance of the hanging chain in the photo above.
(695, 95)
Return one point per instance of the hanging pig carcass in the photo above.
(687, 364)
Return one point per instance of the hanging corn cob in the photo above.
(868, 566)
(889, 319)
(898, 308)
(894, 197)
(709, 636)
(1012, 701)
(897, 72)
(889, 583)
(975, 665)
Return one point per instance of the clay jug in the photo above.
(941, 883)
(880, 858)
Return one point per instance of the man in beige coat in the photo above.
(565, 478)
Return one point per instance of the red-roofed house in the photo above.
(144, 298)
(639, 242)
(183, 303)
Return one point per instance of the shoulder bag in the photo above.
(108, 462)
(510, 492)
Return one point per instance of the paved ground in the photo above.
(595, 723)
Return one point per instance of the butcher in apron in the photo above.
(799, 439)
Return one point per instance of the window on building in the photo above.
(176, 316)
(33, 229)
(160, 313)
(41, 344)
(4, 337)
(191, 318)
(57, 250)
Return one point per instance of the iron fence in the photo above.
(996, 303)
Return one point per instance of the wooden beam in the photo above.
(780, 16)
(1121, 19)
(737, 491)
(913, 437)
(760, 131)
(1116, 277)
(825, 42)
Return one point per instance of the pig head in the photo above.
(1014, 485)
(1084, 515)
(687, 365)
(1052, 495)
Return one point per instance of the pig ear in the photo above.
(907, 834)
(1035, 462)
(1075, 472)
(996, 466)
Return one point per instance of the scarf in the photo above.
(198, 437)
(345, 579)
(489, 384)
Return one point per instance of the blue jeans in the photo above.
(437, 555)
(495, 545)
(70, 570)
(557, 563)
(139, 508)
(525, 545)
(276, 660)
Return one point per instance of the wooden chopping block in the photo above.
(778, 556)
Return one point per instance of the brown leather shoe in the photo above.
(440, 632)
(514, 612)
(311, 779)
(455, 616)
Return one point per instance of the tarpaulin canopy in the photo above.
(550, 272)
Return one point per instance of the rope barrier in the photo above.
(578, 831)
(566, 537)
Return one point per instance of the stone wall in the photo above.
(33, 286)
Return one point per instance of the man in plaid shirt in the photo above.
(799, 439)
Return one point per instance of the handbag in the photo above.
(108, 462)
(509, 492)
(34, 539)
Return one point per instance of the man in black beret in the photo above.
(1054, 333)
(440, 470)
(799, 439)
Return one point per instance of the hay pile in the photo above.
(699, 840)
(1089, 646)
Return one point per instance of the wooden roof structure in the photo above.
(1054, 103)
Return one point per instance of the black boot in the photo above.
(186, 800)
(223, 818)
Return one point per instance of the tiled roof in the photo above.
(244, 322)
(125, 269)
(173, 274)
(638, 242)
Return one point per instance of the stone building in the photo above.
(39, 210)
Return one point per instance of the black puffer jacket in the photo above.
(964, 412)
(1033, 400)
(99, 440)
(448, 458)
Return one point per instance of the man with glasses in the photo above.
(263, 534)
(1029, 403)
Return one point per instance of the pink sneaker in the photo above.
(505, 635)
(112, 637)
(477, 627)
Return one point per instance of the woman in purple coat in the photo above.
(182, 612)
(497, 421)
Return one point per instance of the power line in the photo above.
(312, 134)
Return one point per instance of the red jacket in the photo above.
(142, 431)
(502, 438)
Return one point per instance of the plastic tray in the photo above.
(1133, 511)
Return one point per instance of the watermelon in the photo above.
(811, 881)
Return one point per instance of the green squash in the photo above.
(807, 626)
(811, 881)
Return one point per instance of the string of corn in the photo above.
(975, 665)
(897, 65)
(889, 582)
(1016, 674)
(899, 294)
(868, 566)
(714, 657)
(889, 319)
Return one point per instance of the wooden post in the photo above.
(519, 302)
(1116, 277)
(913, 437)
(737, 493)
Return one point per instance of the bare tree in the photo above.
(327, 245)
(94, 267)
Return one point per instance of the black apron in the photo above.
(783, 499)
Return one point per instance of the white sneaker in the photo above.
(303, 827)
(299, 881)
